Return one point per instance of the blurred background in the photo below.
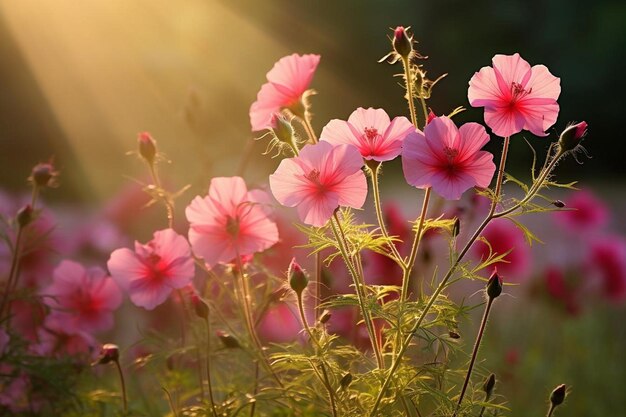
(78, 81)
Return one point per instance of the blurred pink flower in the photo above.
(447, 158)
(562, 291)
(14, 393)
(288, 80)
(153, 270)
(607, 262)
(322, 178)
(589, 212)
(84, 299)
(229, 222)
(55, 338)
(280, 324)
(504, 236)
(4, 341)
(371, 131)
(516, 96)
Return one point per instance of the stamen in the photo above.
(371, 135)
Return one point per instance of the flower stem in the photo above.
(551, 410)
(306, 122)
(208, 365)
(245, 300)
(408, 268)
(470, 368)
(168, 204)
(123, 385)
(409, 89)
(359, 286)
(12, 280)
(318, 284)
(375, 172)
(424, 109)
(444, 281)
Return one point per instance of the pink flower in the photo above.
(447, 159)
(280, 324)
(153, 270)
(84, 299)
(322, 178)
(229, 222)
(504, 236)
(57, 339)
(607, 262)
(515, 96)
(588, 212)
(288, 80)
(4, 341)
(371, 132)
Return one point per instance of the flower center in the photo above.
(232, 226)
(371, 135)
(451, 153)
(518, 92)
(313, 176)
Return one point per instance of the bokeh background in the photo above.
(79, 80)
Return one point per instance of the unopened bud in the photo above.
(572, 135)
(456, 229)
(25, 215)
(43, 175)
(229, 341)
(346, 380)
(558, 204)
(297, 277)
(431, 117)
(147, 147)
(488, 385)
(283, 130)
(453, 334)
(558, 395)
(326, 315)
(494, 285)
(402, 43)
(108, 353)
(200, 307)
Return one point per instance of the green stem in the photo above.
(375, 172)
(123, 385)
(416, 241)
(250, 321)
(409, 89)
(444, 281)
(12, 280)
(208, 365)
(359, 286)
(470, 368)
(318, 285)
(551, 410)
(306, 122)
(424, 109)
(168, 204)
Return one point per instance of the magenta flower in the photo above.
(229, 222)
(607, 263)
(371, 131)
(83, 299)
(153, 270)
(447, 159)
(322, 178)
(287, 82)
(515, 96)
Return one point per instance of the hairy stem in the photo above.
(359, 286)
(470, 368)
(166, 201)
(379, 212)
(416, 241)
(409, 89)
(306, 122)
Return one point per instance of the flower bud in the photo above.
(402, 43)
(494, 285)
(200, 307)
(346, 380)
(25, 215)
(325, 316)
(572, 135)
(456, 228)
(297, 277)
(431, 116)
(488, 385)
(147, 147)
(558, 395)
(283, 130)
(229, 341)
(454, 334)
(43, 175)
(108, 353)
(558, 204)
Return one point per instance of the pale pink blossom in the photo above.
(280, 324)
(230, 221)
(55, 338)
(319, 180)
(371, 131)
(503, 236)
(586, 212)
(447, 158)
(84, 299)
(151, 272)
(287, 82)
(516, 96)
